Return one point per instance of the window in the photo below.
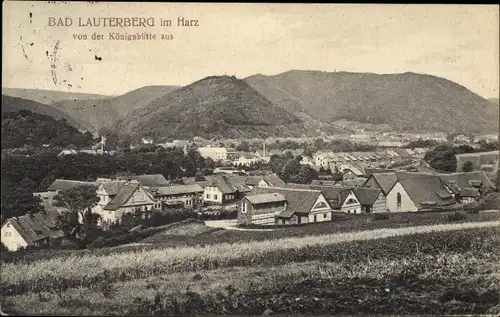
(208, 196)
(324, 216)
(245, 207)
(8, 225)
(321, 204)
(215, 197)
(398, 200)
(8, 234)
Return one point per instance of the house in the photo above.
(418, 193)
(467, 187)
(150, 181)
(371, 200)
(213, 152)
(345, 199)
(323, 159)
(224, 189)
(307, 160)
(120, 197)
(189, 195)
(268, 180)
(30, 230)
(383, 181)
(300, 207)
(261, 208)
(246, 159)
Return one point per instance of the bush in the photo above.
(380, 216)
(457, 216)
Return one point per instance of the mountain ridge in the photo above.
(407, 101)
(215, 106)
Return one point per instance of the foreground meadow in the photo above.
(440, 269)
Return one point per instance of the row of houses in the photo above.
(329, 159)
(381, 192)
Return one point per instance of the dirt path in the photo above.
(230, 224)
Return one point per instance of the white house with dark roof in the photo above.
(30, 230)
(288, 205)
(120, 197)
(224, 189)
(189, 196)
(417, 193)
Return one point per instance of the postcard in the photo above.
(206, 159)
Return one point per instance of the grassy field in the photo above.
(196, 234)
(450, 268)
(446, 272)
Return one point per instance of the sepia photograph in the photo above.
(249, 159)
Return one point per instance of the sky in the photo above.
(457, 42)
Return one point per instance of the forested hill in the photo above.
(24, 127)
(407, 102)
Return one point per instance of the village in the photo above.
(249, 193)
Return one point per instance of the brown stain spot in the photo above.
(97, 58)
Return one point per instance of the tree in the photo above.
(442, 158)
(243, 147)
(468, 166)
(290, 170)
(305, 175)
(78, 223)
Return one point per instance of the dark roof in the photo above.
(229, 184)
(62, 184)
(367, 196)
(123, 196)
(427, 188)
(36, 227)
(299, 201)
(335, 195)
(385, 180)
(153, 180)
(370, 171)
(113, 188)
(458, 181)
(265, 198)
(469, 192)
(274, 180)
(179, 189)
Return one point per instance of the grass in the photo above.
(341, 223)
(74, 271)
(448, 272)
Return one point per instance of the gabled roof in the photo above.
(299, 201)
(425, 189)
(367, 196)
(152, 180)
(62, 184)
(229, 184)
(113, 188)
(385, 180)
(457, 181)
(335, 195)
(124, 195)
(265, 198)
(36, 227)
(178, 189)
(273, 180)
